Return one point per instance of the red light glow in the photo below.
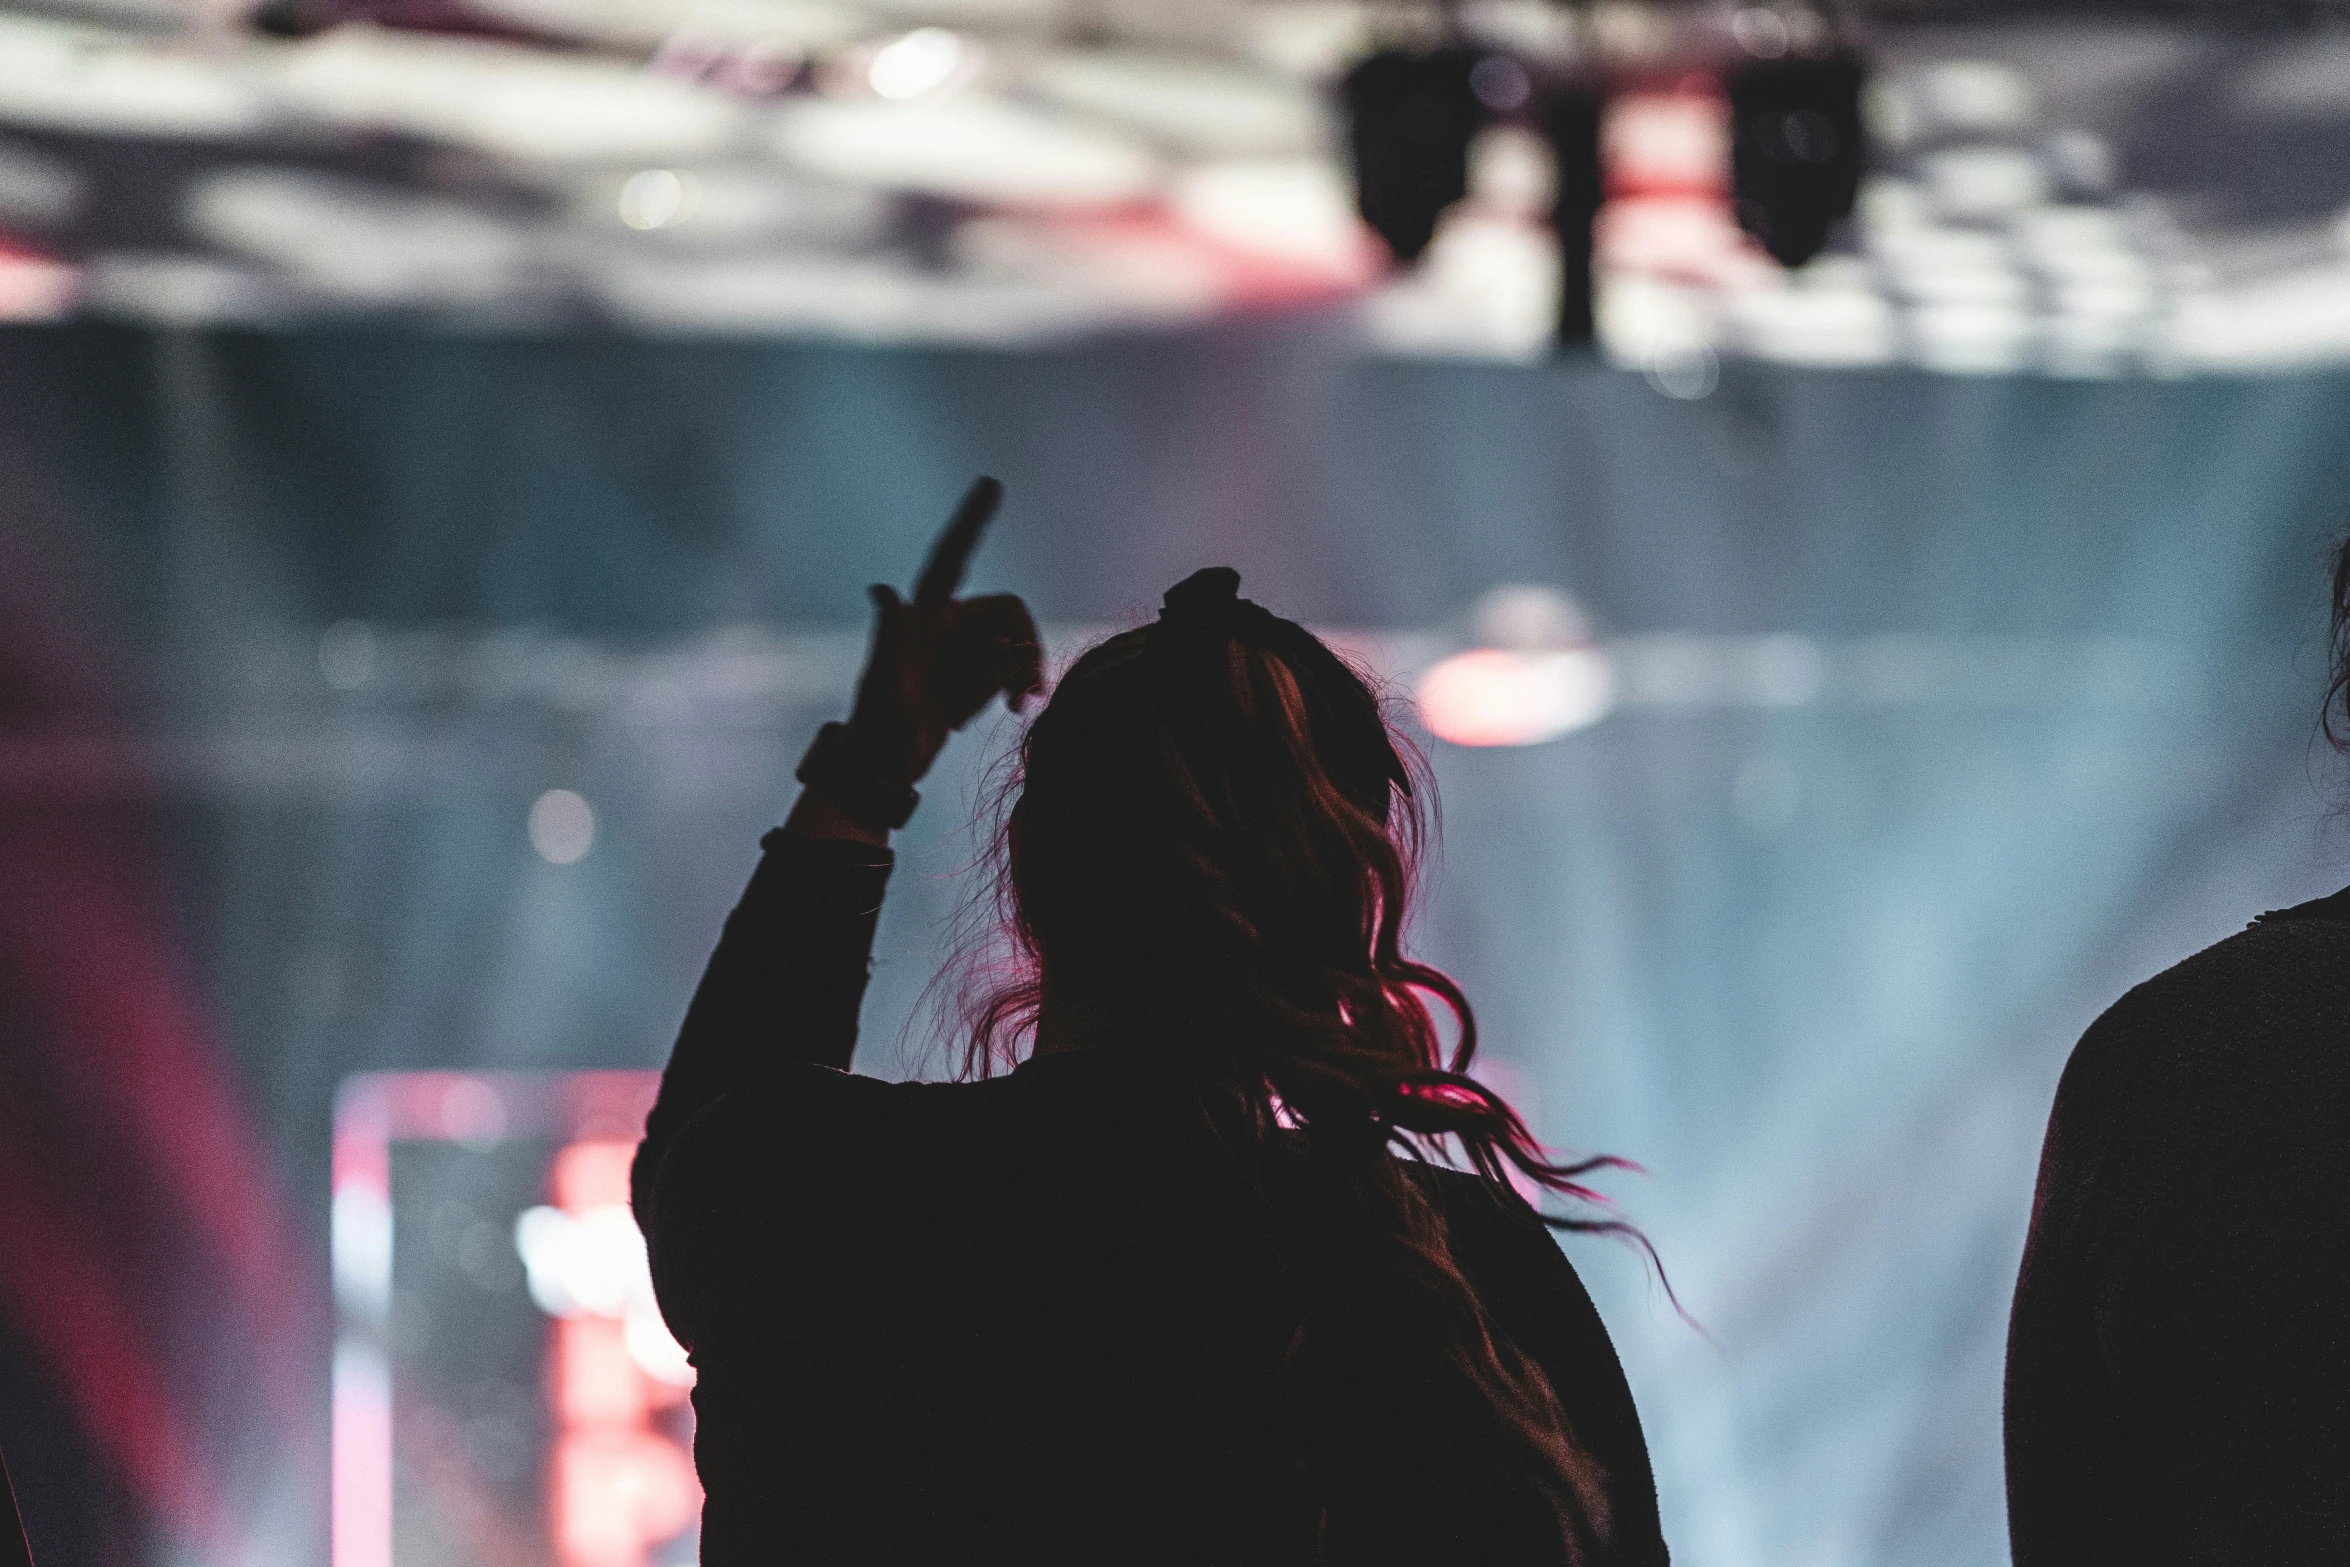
(1493, 696)
(1668, 210)
(616, 1491)
(618, 1484)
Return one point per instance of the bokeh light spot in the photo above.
(921, 62)
(655, 199)
(1494, 696)
(562, 827)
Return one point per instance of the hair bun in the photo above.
(1207, 594)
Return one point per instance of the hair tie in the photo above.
(1353, 739)
(1208, 596)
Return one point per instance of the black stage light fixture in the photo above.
(1571, 117)
(1410, 117)
(1795, 150)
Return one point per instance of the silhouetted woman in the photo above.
(1169, 1292)
(2178, 1360)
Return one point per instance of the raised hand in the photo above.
(936, 659)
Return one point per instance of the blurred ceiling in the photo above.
(2082, 189)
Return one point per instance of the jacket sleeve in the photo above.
(781, 991)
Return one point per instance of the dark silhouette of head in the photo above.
(1209, 861)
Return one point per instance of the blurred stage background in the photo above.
(423, 553)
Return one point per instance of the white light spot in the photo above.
(919, 63)
(1664, 143)
(360, 1237)
(1491, 696)
(1513, 171)
(651, 1346)
(594, 1264)
(1293, 208)
(587, 1263)
(974, 147)
(1682, 370)
(655, 199)
(562, 827)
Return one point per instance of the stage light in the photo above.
(918, 64)
(1194, 106)
(1682, 371)
(361, 240)
(1492, 696)
(619, 1480)
(616, 1491)
(1987, 338)
(1296, 209)
(361, 1499)
(649, 1343)
(1673, 142)
(506, 100)
(60, 77)
(1538, 675)
(967, 147)
(618, 1483)
(592, 1262)
(562, 827)
(1410, 118)
(654, 199)
(1795, 154)
(1834, 323)
(360, 1227)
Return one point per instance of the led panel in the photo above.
(505, 1394)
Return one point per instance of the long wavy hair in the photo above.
(1209, 858)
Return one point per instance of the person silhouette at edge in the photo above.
(1178, 1289)
(2178, 1357)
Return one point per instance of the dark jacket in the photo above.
(1043, 1319)
(2178, 1364)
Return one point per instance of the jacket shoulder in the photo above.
(2283, 970)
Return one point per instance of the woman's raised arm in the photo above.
(784, 985)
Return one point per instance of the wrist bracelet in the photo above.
(837, 767)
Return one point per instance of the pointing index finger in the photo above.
(951, 555)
